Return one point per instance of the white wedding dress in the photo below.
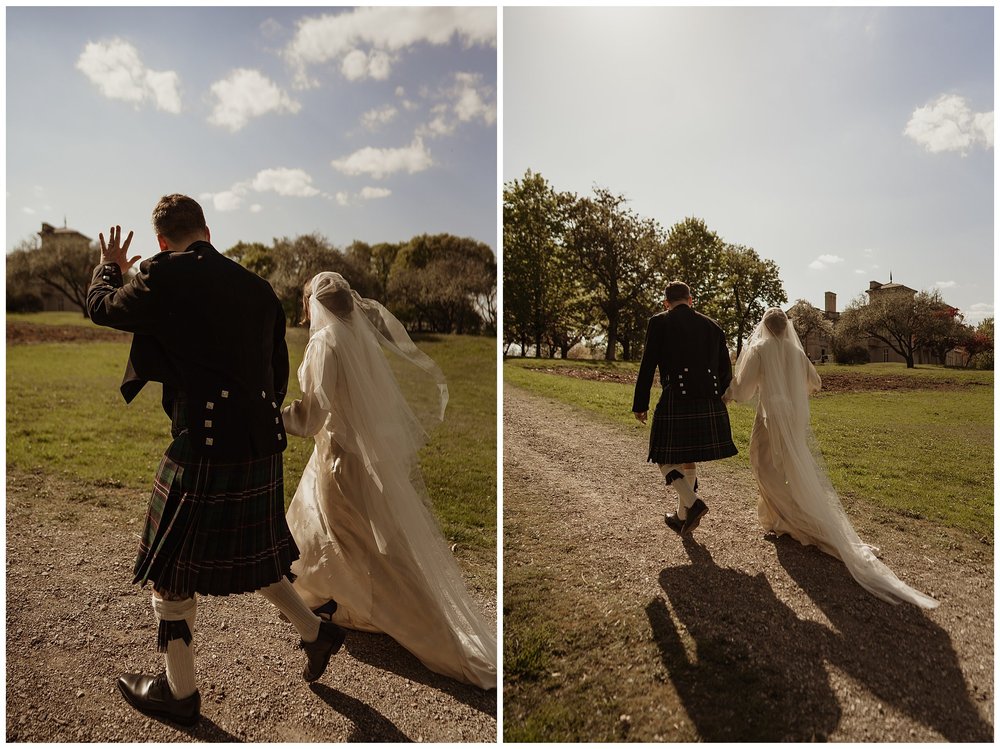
(365, 536)
(796, 496)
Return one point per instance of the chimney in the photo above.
(831, 302)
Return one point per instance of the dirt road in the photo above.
(75, 621)
(731, 636)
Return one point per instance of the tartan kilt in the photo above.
(213, 526)
(689, 430)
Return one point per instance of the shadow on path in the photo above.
(756, 671)
(383, 652)
(897, 652)
(369, 724)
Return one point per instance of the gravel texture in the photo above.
(75, 622)
(732, 635)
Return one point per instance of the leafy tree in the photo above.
(65, 266)
(694, 255)
(620, 254)
(806, 318)
(437, 279)
(979, 345)
(946, 331)
(544, 298)
(903, 323)
(253, 256)
(296, 261)
(22, 287)
(751, 285)
(377, 260)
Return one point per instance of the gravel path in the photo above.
(731, 636)
(75, 622)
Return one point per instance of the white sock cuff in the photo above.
(174, 611)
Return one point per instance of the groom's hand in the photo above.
(114, 252)
(640, 415)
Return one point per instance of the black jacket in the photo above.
(691, 352)
(214, 334)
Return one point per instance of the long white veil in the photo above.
(814, 506)
(382, 396)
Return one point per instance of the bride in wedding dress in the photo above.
(796, 496)
(360, 513)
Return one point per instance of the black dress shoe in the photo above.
(694, 515)
(674, 523)
(151, 695)
(318, 653)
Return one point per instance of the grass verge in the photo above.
(66, 417)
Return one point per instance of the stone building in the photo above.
(819, 344)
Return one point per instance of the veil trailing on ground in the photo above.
(361, 505)
(775, 360)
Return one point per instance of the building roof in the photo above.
(48, 229)
(876, 286)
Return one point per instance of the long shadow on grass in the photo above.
(897, 652)
(385, 653)
(757, 671)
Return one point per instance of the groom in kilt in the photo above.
(213, 333)
(691, 423)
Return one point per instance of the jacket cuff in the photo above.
(108, 273)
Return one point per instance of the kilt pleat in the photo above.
(689, 430)
(215, 527)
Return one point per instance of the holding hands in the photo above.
(114, 251)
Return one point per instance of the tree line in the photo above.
(590, 269)
(436, 283)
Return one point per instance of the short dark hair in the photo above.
(177, 217)
(677, 291)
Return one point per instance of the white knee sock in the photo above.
(179, 652)
(685, 494)
(691, 474)
(290, 603)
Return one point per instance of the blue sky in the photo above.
(374, 124)
(840, 142)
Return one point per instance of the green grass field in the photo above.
(66, 416)
(924, 452)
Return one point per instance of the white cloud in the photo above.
(860, 271)
(948, 124)
(380, 162)
(271, 28)
(281, 180)
(227, 200)
(383, 31)
(824, 261)
(118, 72)
(29, 211)
(343, 198)
(246, 94)
(290, 182)
(945, 284)
(978, 312)
(357, 65)
(467, 99)
(372, 193)
(375, 118)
